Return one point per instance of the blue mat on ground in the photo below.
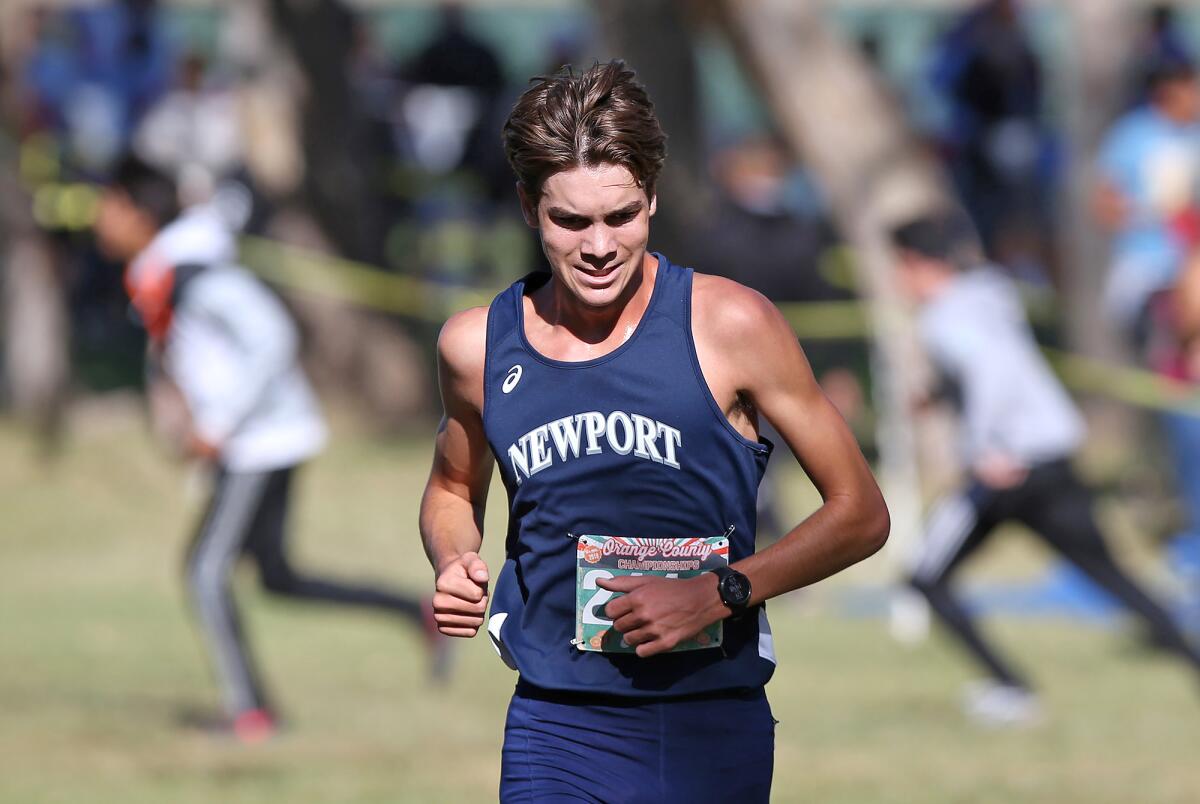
(1061, 591)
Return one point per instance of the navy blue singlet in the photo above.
(631, 443)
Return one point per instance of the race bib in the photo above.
(613, 556)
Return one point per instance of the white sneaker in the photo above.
(995, 705)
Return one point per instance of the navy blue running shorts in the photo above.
(718, 747)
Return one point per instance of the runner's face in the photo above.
(918, 277)
(122, 230)
(594, 223)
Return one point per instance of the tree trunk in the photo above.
(270, 88)
(34, 313)
(653, 37)
(1101, 41)
(336, 181)
(1100, 49)
(33, 310)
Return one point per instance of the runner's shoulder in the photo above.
(462, 343)
(724, 309)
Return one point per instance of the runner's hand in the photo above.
(460, 596)
(999, 471)
(656, 614)
(199, 447)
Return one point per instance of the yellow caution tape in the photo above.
(70, 206)
(1133, 386)
(357, 283)
(827, 320)
(368, 286)
(73, 206)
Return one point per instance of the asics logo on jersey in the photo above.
(593, 433)
(511, 380)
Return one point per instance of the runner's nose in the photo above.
(599, 249)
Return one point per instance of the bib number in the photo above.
(600, 557)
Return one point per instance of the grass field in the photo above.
(98, 661)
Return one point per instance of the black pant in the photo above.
(248, 515)
(1055, 505)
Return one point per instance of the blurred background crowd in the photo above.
(369, 131)
(353, 146)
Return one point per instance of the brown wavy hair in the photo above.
(602, 115)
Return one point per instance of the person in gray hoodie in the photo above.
(1019, 432)
(231, 349)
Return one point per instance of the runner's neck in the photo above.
(569, 320)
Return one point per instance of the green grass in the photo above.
(98, 659)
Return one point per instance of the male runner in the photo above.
(230, 348)
(1020, 430)
(621, 396)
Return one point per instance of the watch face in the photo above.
(737, 588)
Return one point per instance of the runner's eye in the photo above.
(570, 222)
(621, 218)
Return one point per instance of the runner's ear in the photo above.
(528, 208)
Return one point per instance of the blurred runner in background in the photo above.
(1020, 430)
(227, 349)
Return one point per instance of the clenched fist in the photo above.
(460, 596)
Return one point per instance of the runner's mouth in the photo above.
(598, 273)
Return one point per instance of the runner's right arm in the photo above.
(456, 493)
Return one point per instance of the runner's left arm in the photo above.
(852, 522)
(751, 357)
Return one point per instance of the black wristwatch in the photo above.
(734, 588)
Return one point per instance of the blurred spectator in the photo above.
(768, 234)
(1020, 431)
(452, 103)
(93, 72)
(1161, 41)
(456, 57)
(233, 393)
(372, 73)
(50, 70)
(1164, 41)
(193, 132)
(564, 47)
(998, 148)
(1148, 167)
(84, 76)
(762, 211)
(454, 83)
(1172, 348)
